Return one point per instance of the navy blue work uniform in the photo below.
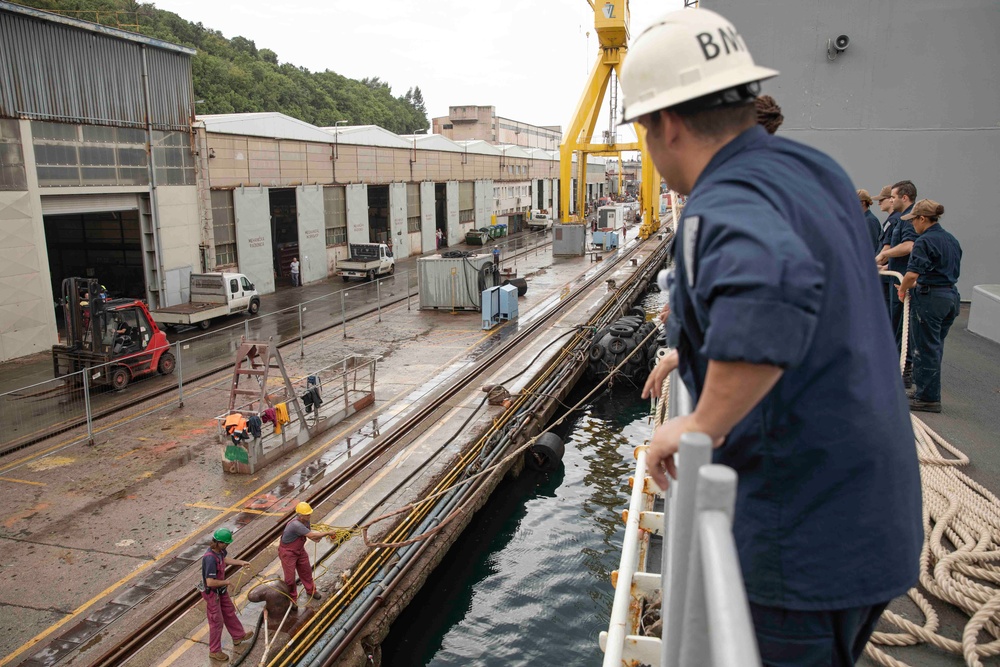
(874, 230)
(902, 231)
(774, 266)
(885, 239)
(937, 258)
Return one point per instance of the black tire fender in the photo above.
(617, 346)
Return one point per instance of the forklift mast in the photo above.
(84, 315)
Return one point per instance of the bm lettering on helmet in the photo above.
(730, 39)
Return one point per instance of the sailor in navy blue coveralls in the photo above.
(778, 319)
(773, 268)
(934, 267)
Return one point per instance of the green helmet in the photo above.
(223, 535)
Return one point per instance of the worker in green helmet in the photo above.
(219, 606)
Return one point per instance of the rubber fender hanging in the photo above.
(630, 320)
(652, 363)
(640, 356)
(638, 311)
(547, 452)
(596, 352)
(621, 331)
(617, 346)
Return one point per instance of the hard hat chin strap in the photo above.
(738, 95)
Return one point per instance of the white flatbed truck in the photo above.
(213, 295)
(367, 261)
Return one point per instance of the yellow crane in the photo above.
(611, 23)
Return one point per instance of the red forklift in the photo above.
(115, 338)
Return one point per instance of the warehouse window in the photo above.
(224, 228)
(412, 207)
(67, 155)
(173, 158)
(335, 215)
(12, 176)
(466, 202)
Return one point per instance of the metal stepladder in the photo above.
(249, 395)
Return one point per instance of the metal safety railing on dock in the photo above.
(704, 609)
(77, 404)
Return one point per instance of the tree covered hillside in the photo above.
(235, 76)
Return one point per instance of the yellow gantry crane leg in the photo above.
(611, 22)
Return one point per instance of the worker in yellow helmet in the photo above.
(292, 551)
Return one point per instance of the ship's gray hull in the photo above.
(916, 95)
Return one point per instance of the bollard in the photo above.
(86, 405)
(378, 298)
(343, 313)
(246, 329)
(180, 378)
(302, 350)
(407, 290)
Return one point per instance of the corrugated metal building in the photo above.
(97, 173)
(103, 173)
(275, 188)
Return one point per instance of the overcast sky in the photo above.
(528, 58)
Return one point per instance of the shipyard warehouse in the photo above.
(289, 365)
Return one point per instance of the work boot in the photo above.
(911, 392)
(316, 595)
(245, 638)
(916, 405)
(220, 656)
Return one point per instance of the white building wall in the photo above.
(27, 316)
(428, 229)
(397, 220)
(480, 197)
(180, 233)
(357, 214)
(252, 209)
(312, 233)
(454, 229)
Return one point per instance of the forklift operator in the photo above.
(124, 336)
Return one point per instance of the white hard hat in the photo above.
(682, 56)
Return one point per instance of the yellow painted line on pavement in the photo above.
(107, 427)
(21, 481)
(230, 510)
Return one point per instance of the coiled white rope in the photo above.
(961, 546)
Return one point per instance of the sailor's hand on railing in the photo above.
(664, 312)
(660, 371)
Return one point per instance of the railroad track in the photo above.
(381, 449)
(134, 400)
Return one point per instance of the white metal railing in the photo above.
(704, 608)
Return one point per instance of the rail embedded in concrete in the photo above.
(321, 641)
(704, 608)
(365, 462)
